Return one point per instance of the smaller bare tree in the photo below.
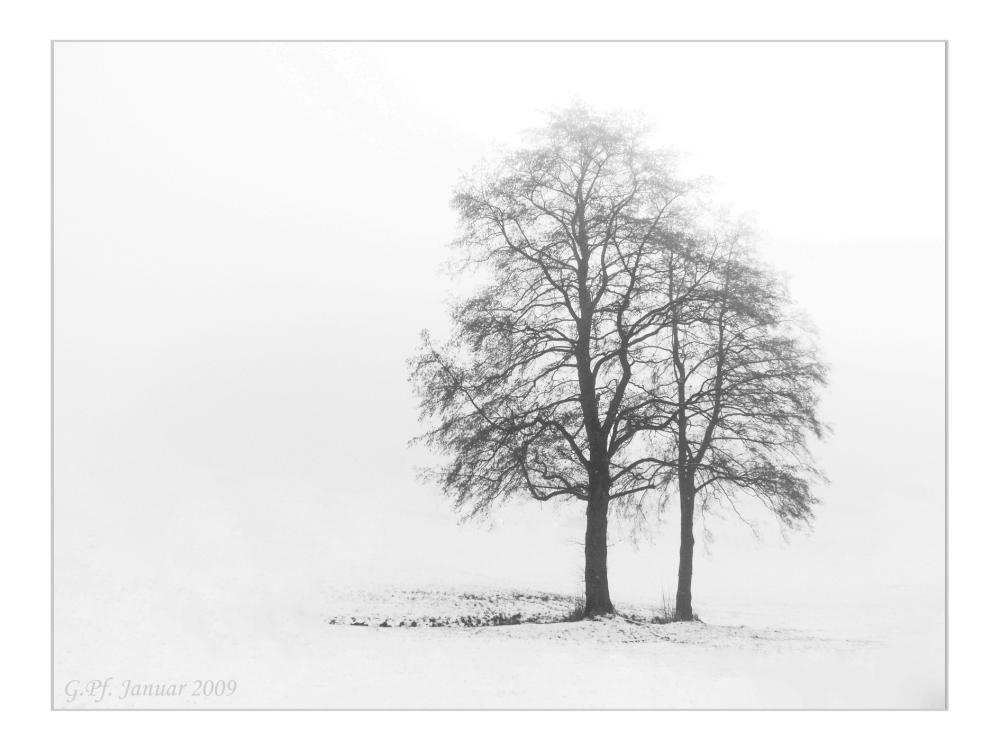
(739, 387)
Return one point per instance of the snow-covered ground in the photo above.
(216, 586)
(168, 587)
(622, 662)
(295, 658)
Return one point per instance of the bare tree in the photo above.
(547, 379)
(740, 383)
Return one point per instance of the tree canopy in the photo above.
(617, 343)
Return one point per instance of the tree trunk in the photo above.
(596, 554)
(682, 608)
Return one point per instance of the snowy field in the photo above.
(618, 663)
(299, 659)
(209, 584)
(207, 580)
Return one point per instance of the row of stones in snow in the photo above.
(463, 621)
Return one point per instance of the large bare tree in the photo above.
(546, 385)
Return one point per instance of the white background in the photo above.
(249, 238)
(27, 454)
